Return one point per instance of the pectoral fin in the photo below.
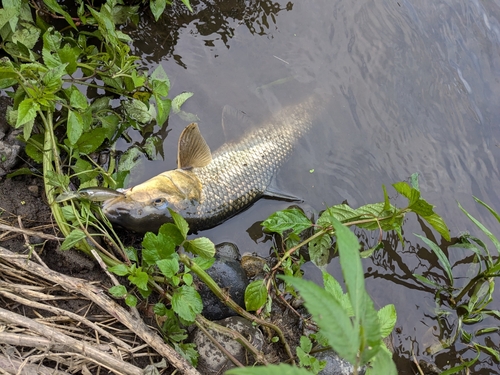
(273, 193)
(193, 151)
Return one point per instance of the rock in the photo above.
(34, 189)
(212, 360)
(335, 365)
(228, 250)
(229, 275)
(8, 156)
(253, 265)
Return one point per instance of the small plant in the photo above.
(470, 302)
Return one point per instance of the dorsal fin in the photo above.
(192, 151)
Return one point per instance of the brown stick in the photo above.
(15, 366)
(98, 296)
(29, 232)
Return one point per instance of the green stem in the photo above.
(224, 297)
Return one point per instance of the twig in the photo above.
(13, 366)
(98, 296)
(30, 232)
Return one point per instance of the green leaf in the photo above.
(140, 279)
(441, 257)
(387, 316)
(163, 106)
(305, 344)
(483, 228)
(179, 100)
(204, 263)
(439, 225)
(407, 191)
(201, 246)
(137, 111)
(75, 236)
(68, 55)
(284, 220)
(187, 278)
(118, 291)
(187, 4)
(131, 300)
(77, 99)
(332, 319)
(382, 363)
(53, 78)
(281, 369)
(319, 250)
(157, 7)
(333, 287)
(55, 7)
(461, 367)
(168, 267)
(186, 303)
(255, 295)
(181, 224)
(414, 181)
(26, 112)
(157, 247)
(119, 269)
(492, 211)
(75, 127)
(91, 141)
(27, 35)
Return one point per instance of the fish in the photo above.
(93, 194)
(208, 188)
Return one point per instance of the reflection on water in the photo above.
(414, 87)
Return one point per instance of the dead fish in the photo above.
(93, 194)
(207, 189)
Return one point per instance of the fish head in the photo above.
(145, 207)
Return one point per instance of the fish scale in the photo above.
(240, 173)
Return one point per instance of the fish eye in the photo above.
(159, 202)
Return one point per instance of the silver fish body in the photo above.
(209, 192)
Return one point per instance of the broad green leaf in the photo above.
(139, 279)
(34, 147)
(75, 236)
(163, 106)
(57, 180)
(69, 55)
(281, 369)
(131, 253)
(407, 191)
(119, 269)
(27, 35)
(171, 232)
(319, 250)
(118, 291)
(26, 111)
(137, 111)
(341, 212)
(439, 225)
(159, 75)
(284, 220)
(131, 300)
(179, 100)
(204, 263)
(255, 295)
(168, 267)
(483, 228)
(187, 278)
(157, 247)
(305, 344)
(333, 321)
(494, 353)
(186, 303)
(441, 257)
(422, 208)
(75, 127)
(77, 99)
(27, 128)
(187, 4)
(157, 7)
(53, 78)
(200, 246)
(387, 316)
(91, 141)
(181, 224)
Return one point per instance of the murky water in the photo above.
(414, 87)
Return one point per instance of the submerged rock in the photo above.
(336, 365)
(212, 360)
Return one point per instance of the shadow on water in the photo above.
(414, 87)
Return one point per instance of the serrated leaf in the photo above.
(387, 316)
(168, 267)
(319, 250)
(118, 291)
(200, 246)
(137, 111)
(157, 7)
(75, 236)
(53, 78)
(55, 7)
(284, 220)
(181, 224)
(26, 111)
(179, 100)
(204, 263)
(139, 279)
(187, 303)
(332, 319)
(131, 300)
(119, 269)
(407, 191)
(305, 344)
(77, 99)
(439, 225)
(382, 363)
(163, 106)
(445, 263)
(255, 295)
(157, 247)
(91, 141)
(75, 127)
(333, 287)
